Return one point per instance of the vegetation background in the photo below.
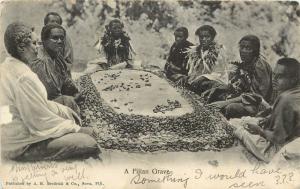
(151, 24)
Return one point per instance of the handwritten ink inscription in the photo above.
(168, 178)
(255, 177)
(51, 174)
(76, 176)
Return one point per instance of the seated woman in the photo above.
(51, 18)
(40, 129)
(206, 62)
(250, 83)
(52, 69)
(175, 68)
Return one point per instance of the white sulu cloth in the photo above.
(34, 117)
(288, 156)
(260, 147)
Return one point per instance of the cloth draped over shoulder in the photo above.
(54, 74)
(255, 79)
(210, 63)
(285, 118)
(68, 52)
(35, 118)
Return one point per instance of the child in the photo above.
(115, 44)
(115, 49)
(175, 67)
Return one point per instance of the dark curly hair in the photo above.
(114, 21)
(292, 66)
(184, 30)
(47, 29)
(208, 28)
(16, 34)
(46, 19)
(254, 40)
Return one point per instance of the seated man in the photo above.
(51, 67)
(283, 126)
(175, 67)
(40, 129)
(206, 62)
(249, 83)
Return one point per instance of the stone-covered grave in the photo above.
(138, 111)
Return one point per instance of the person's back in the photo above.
(11, 71)
(286, 114)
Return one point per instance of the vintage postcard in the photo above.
(139, 94)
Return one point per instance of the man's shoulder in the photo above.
(37, 65)
(292, 93)
(290, 97)
(14, 67)
(19, 72)
(285, 97)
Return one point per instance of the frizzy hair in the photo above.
(292, 65)
(184, 30)
(16, 34)
(47, 30)
(254, 40)
(208, 28)
(46, 19)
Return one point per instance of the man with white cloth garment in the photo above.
(40, 129)
(264, 137)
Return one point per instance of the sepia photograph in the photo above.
(149, 94)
